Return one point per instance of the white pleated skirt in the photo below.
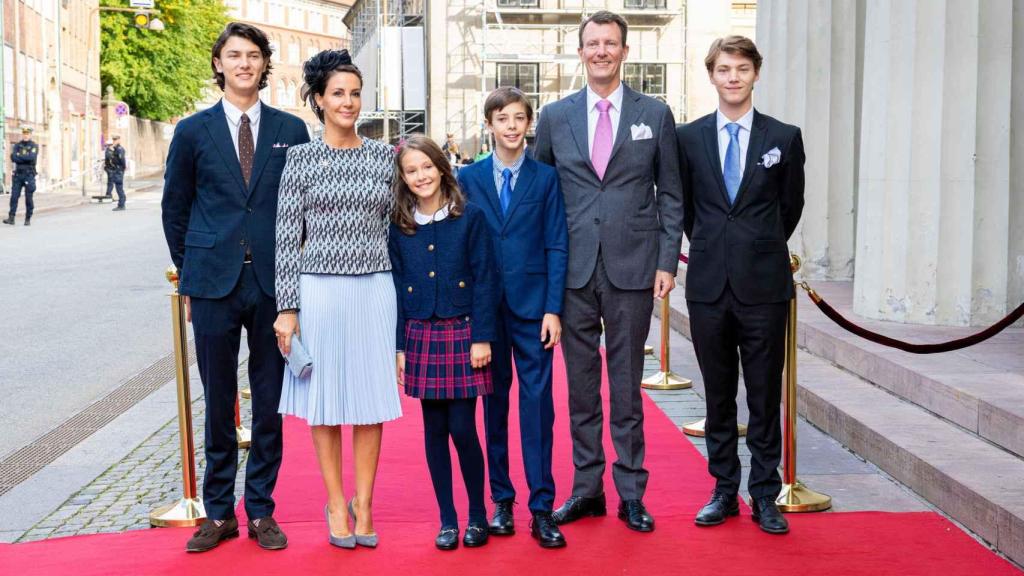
(347, 324)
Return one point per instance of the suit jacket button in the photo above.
(597, 220)
(430, 247)
(410, 289)
(462, 284)
(731, 217)
(431, 274)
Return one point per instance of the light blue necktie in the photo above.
(732, 172)
(506, 189)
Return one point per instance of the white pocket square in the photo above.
(279, 145)
(641, 131)
(771, 157)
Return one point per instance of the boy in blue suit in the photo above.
(523, 203)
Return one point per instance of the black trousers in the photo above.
(217, 324)
(726, 333)
(27, 182)
(116, 178)
(456, 419)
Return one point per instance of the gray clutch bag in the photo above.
(298, 360)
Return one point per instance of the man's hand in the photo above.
(480, 354)
(664, 282)
(550, 331)
(188, 308)
(400, 368)
(286, 324)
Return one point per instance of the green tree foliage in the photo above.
(160, 74)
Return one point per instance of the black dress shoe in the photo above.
(476, 535)
(635, 515)
(544, 529)
(501, 523)
(447, 539)
(767, 515)
(577, 507)
(720, 507)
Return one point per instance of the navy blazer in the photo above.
(531, 242)
(210, 216)
(444, 270)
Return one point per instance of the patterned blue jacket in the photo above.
(446, 269)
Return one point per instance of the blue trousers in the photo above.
(519, 338)
(116, 178)
(18, 182)
(456, 419)
(217, 324)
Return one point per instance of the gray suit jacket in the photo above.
(635, 215)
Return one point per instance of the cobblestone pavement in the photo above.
(150, 476)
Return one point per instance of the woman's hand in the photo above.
(400, 368)
(287, 323)
(480, 354)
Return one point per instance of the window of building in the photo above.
(282, 93)
(518, 3)
(297, 18)
(255, 10)
(9, 80)
(275, 52)
(311, 51)
(644, 4)
(336, 27)
(524, 76)
(293, 94)
(646, 78)
(275, 14)
(294, 53)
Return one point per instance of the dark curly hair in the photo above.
(317, 71)
(250, 33)
(405, 200)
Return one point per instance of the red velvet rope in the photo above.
(877, 338)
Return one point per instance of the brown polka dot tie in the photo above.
(245, 147)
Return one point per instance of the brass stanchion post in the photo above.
(665, 379)
(697, 428)
(795, 497)
(189, 510)
(242, 434)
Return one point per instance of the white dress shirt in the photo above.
(745, 122)
(234, 116)
(593, 114)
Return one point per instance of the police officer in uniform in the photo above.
(114, 165)
(23, 154)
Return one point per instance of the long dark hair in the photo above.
(250, 33)
(405, 200)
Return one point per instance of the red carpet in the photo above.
(406, 518)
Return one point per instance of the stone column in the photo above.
(932, 213)
(809, 78)
(1015, 256)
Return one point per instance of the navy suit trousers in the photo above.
(519, 338)
(217, 324)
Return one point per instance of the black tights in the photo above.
(455, 418)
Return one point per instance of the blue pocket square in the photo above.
(298, 360)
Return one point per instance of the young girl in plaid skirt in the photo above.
(446, 278)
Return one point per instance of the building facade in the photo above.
(49, 47)
(911, 115)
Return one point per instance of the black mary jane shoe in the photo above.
(475, 536)
(447, 539)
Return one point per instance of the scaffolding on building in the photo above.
(365, 20)
(508, 46)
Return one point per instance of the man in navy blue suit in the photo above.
(523, 202)
(219, 212)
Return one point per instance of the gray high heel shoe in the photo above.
(348, 542)
(368, 540)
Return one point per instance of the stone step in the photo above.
(963, 474)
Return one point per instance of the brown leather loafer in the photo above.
(267, 534)
(210, 535)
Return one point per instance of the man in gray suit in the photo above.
(616, 154)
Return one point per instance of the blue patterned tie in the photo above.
(506, 189)
(732, 162)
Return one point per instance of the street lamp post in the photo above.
(154, 24)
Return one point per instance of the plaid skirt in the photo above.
(437, 361)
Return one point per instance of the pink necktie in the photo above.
(602, 150)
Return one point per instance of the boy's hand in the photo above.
(480, 354)
(550, 331)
